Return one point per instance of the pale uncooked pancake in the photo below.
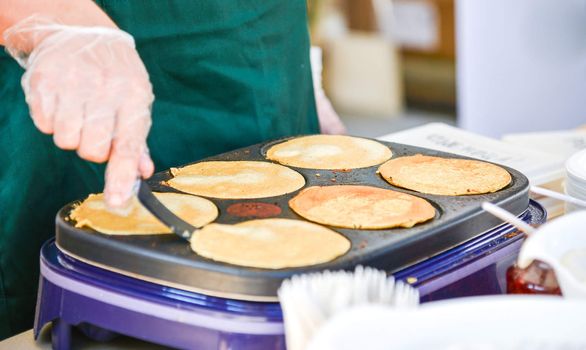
(269, 243)
(93, 213)
(361, 207)
(329, 152)
(236, 179)
(444, 176)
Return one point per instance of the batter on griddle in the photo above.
(236, 179)
(444, 176)
(92, 213)
(329, 152)
(361, 207)
(270, 243)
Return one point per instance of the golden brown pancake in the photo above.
(92, 213)
(236, 179)
(361, 207)
(444, 176)
(270, 243)
(329, 152)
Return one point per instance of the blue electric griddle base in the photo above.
(103, 303)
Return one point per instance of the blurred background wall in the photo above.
(521, 65)
(490, 66)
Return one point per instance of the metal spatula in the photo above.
(177, 225)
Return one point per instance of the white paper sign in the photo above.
(538, 166)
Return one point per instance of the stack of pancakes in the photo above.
(276, 243)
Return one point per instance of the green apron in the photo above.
(226, 74)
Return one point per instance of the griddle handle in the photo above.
(177, 225)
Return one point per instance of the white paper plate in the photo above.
(576, 166)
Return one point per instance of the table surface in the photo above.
(26, 341)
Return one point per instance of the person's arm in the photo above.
(84, 83)
(78, 12)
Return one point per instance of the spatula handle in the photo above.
(177, 225)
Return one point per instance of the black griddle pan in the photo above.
(168, 260)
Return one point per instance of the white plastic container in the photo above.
(562, 245)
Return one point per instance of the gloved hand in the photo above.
(89, 88)
(329, 121)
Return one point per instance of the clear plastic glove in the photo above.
(329, 121)
(89, 88)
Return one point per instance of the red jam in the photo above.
(254, 210)
(537, 278)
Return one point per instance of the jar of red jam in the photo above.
(537, 278)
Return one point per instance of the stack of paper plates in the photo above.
(576, 178)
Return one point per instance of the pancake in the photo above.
(329, 152)
(269, 243)
(236, 179)
(93, 213)
(361, 207)
(444, 176)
